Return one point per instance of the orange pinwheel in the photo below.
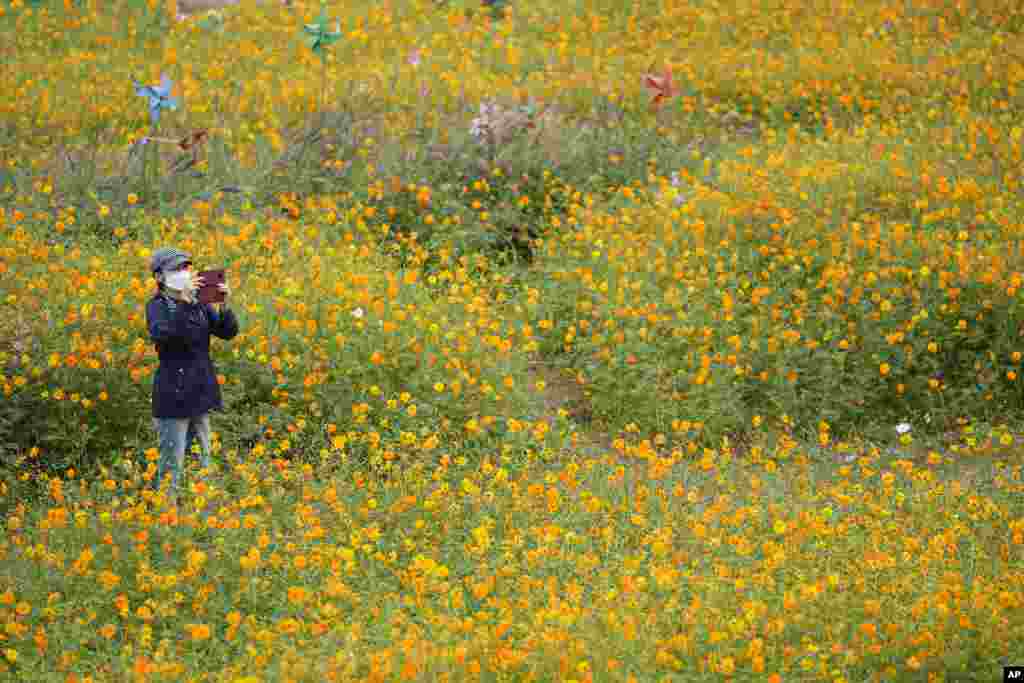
(190, 143)
(191, 140)
(661, 87)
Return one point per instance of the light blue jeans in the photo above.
(176, 438)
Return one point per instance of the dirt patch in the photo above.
(562, 392)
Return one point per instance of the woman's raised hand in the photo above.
(192, 288)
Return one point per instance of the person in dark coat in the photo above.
(185, 387)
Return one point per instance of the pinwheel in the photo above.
(189, 142)
(318, 36)
(661, 87)
(193, 140)
(159, 97)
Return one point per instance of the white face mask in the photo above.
(178, 280)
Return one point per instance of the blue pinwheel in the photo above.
(159, 97)
(318, 36)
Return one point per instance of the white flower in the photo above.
(903, 428)
(357, 313)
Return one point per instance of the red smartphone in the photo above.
(210, 292)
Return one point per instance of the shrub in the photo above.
(736, 300)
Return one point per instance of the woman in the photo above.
(185, 387)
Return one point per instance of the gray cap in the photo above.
(166, 258)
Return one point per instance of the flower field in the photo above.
(581, 341)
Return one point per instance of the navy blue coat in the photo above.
(185, 383)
